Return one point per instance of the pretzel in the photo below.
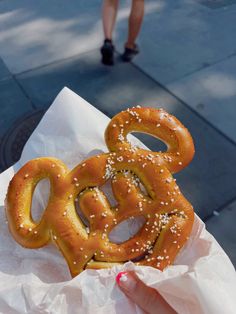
(168, 215)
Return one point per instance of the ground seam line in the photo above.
(220, 209)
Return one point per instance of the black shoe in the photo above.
(107, 52)
(129, 53)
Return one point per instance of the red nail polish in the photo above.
(122, 273)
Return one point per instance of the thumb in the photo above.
(148, 299)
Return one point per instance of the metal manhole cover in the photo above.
(14, 140)
(216, 4)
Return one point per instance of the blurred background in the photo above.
(186, 65)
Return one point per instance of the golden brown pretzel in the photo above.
(168, 215)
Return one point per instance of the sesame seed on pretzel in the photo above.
(168, 215)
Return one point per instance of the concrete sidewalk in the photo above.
(187, 65)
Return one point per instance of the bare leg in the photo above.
(109, 12)
(135, 22)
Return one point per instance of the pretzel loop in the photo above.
(28, 232)
(155, 122)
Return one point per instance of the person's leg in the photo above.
(135, 22)
(109, 12)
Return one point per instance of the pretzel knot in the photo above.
(168, 215)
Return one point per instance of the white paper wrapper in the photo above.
(38, 281)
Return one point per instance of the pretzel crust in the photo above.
(168, 215)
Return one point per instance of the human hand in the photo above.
(148, 299)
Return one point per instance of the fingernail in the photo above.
(125, 280)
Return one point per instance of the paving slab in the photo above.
(180, 37)
(177, 38)
(13, 104)
(216, 4)
(39, 32)
(212, 93)
(222, 227)
(4, 72)
(209, 180)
